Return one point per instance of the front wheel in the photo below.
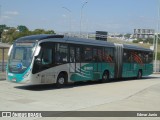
(105, 76)
(61, 80)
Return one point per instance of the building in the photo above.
(144, 33)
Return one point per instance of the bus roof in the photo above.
(89, 42)
(133, 47)
(38, 37)
(64, 39)
(74, 40)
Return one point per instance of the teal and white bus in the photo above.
(47, 59)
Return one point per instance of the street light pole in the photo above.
(157, 36)
(0, 12)
(81, 17)
(69, 11)
(0, 21)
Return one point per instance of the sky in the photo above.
(115, 16)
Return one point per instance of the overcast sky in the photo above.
(120, 16)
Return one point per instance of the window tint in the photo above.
(108, 55)
(138, 57)
(99, 51)
(78, 54)
(87, 54)
(148, 57)
(95, 55)
(72, 54)
(127, 57)
(46, 56)
(61, 53)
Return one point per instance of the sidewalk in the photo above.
(2, 75)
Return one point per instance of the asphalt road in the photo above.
(125, 95)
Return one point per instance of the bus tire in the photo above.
(61, 80)
(139, 75)
(105, 76)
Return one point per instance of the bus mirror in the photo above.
(10, 49)
(37, 51)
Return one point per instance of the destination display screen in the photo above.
(25, 44)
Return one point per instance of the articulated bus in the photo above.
(47, 59)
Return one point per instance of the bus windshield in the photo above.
(21, 57)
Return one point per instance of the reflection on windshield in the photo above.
(20, 58)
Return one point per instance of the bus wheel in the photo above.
(139, 75)
(105, 77)
(61, 80)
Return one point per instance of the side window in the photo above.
(46, 56)
(111, 54)
(138, 57)
(99, 51)
(72, 54)
(78, 54)
(150, 57)
(61, 53)
(87, 54)
(108, 55)
(127, 56)
(95, 55)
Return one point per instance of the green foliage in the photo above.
(2, 27)
(11, 34)
(138, 40)
(22, 28)
(127, 35)
(158, 56)
(120, 35)
(149, 40)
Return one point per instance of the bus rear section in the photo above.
(133, 61)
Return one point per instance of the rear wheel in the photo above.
(105, 76)
(139, 75)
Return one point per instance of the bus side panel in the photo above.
(83, 72)
(148, 70)
(50, 75)
(110, 67)
(92, 71)
(131, 69)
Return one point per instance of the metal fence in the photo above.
(3, 66)
(156, 66)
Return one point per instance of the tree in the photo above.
(7, 36)
(138, 40)
(2, 27)
(11, 34)
(22, 28)
(120, 35)
(39, 31)
(127, 35)
(42, 31)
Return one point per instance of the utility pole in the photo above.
(157, 37)
(81, 17)
(69, 11)
(0, 12)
